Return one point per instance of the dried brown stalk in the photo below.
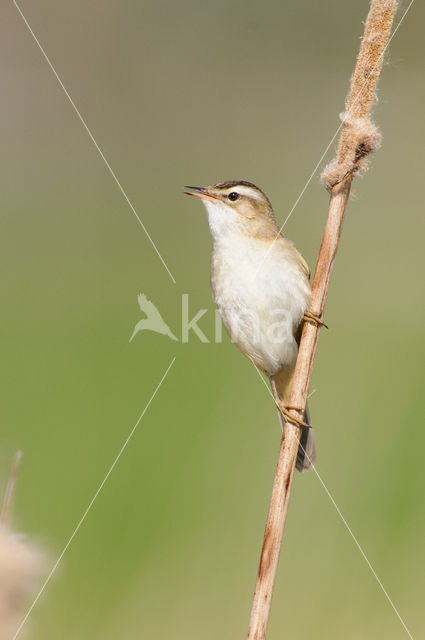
(10, 490)
(21, 565)
(359, 137)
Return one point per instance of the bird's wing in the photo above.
(142, 300)
(147, 306)
(304, 265)
(298, 255)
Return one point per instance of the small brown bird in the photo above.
(260, 283)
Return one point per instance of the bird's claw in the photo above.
(310, 316)
(285, 411)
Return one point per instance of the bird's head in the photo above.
(237, 207)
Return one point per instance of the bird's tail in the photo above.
(307, 449)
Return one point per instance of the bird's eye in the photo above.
(233, 196)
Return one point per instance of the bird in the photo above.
(260, 284)
(153, 321)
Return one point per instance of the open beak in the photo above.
(199, 192)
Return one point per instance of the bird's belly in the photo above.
(261, 308)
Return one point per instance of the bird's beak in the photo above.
(199, 192)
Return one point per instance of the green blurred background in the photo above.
(193, 93)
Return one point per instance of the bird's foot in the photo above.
(285, 411)
(310, 316)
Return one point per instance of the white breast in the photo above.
(261, 295)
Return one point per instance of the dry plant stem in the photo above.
(290, 440)
(10, 490)
(359, 136)
(352, 149)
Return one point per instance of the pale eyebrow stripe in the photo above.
(247, 191)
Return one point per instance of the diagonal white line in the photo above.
(347, 526)
(99, 489)
(313, 173)
(102, 155)
(339, 128)
(359, 547)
